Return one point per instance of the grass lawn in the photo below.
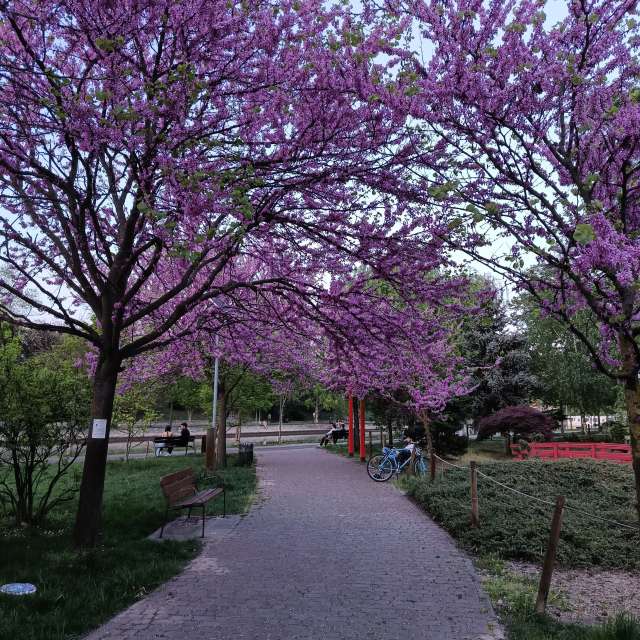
(513, 527)
(485, 451)
(78, 591)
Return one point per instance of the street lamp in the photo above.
(211, 435)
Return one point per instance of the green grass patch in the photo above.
(79, 591)
(518, 528)
(485, 450)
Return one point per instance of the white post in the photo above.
(211, 434)
(214, 402)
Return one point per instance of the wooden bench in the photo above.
(161, 443)
(181, 492)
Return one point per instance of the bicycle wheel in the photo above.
(380, 468)
(420, 466)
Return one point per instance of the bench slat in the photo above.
(177, 476)
(200, 498)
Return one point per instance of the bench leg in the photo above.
(189, 514)
(164, 522)
(203, 510)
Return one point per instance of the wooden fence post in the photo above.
(475, 516)
(432, 466)
(550, 556)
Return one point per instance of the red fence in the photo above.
(557, 450)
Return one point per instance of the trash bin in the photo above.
(245, 454)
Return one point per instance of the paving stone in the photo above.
(325, 553)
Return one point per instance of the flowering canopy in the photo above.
(525, 135)
(156, 140)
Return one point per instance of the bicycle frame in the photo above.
(392, 456)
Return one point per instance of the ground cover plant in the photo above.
(79, 590)
(517, 528)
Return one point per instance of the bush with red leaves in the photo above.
(521, 420)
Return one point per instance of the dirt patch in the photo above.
(589, 595)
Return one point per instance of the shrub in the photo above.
(583, 437)
(44, 407)
(447, 442)
(617, 431)
(523, 421)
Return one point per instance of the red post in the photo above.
(351, 443)
(363, 453)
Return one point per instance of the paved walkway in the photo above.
(325, 554)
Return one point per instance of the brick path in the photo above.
(327, 554)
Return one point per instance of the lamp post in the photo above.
(211, 433)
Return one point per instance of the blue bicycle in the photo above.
(383, 467)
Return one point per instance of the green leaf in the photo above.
(493, 208)
(107, 44)
(411, 91)
(441, 191)
(517, 27)
(455, 223)
(591, 179)
(584, 234)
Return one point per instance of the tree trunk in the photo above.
(88, 518)
(356, 426)
(221, 444)
(316, 415)
(171, 413)
(427, 432)
(632, 401)
(389, 431)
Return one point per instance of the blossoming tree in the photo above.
(150, 142)
(525, 136)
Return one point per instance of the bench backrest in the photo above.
(177, 440)
(178, 486)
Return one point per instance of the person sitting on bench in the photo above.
(325, 438)
(184, 431)
(167, 434)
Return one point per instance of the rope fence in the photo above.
(549, 503)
